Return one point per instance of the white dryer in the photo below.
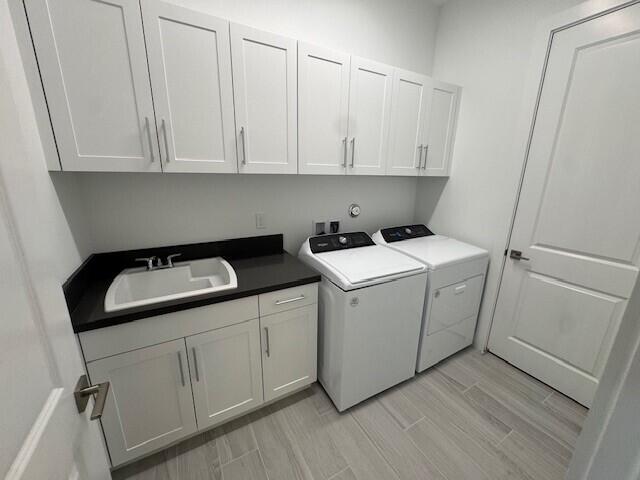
(370, 313)
(456, 275)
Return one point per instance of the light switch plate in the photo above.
(261, 220)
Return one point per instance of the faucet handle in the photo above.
(149, 261)
(170, 259)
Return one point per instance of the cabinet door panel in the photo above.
(441, 128)
(410, 104)
(149, 406)
(265, 93)
(369, 116)
(190, 65)
(225, 372)
(323, 109)
(289, 350)
(94, 70)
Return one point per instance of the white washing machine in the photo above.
(370, 311)
(456, 274)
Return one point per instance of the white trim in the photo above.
(31, 443)
(533, 90)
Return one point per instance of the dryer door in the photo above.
(454, 303)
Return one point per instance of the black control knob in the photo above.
(342, 240)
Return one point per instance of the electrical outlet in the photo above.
(334, 226)
(318, 227)
(261, 220)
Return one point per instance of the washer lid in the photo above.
(367, 265)
(438, 252)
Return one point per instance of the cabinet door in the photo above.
(441, 129)
(150, 403)
(369, 116)
(409, 110)
(225, 372)
(266, 99)
(190, 65)
(323, 110)
(94, 71)
(289, 350)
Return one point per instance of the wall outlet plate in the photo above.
(319, 227)
(334, 226)
(261, 220)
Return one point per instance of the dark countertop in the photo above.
(272, 269)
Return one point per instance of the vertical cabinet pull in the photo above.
(166, 140)
(244, 146)
(267, 345)
(426, 152)
(195, 363)
(420, 147)
(353, 151)
(181, 368)
(148, 127)
(344, 152)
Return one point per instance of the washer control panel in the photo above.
(405, 232)
(340, 241)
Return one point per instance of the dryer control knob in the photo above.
(408, 231)
(342, 240)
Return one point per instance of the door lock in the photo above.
(517, 255)
(83, 391)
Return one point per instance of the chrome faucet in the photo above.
(158, 262)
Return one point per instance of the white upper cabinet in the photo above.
(93, 65)
(190, 67)
(323, 110)
(441, 129)
(369, 117)
(409, 115)
(265, 93)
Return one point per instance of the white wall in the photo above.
(111, 211)
(483, 45)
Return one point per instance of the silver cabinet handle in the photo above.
(146, 123)
(244, 146)
(195, 363)
(181, 369)
(344, 153)
(426, 152)
(82, 393)
(166, 141)
(266, 341)
(420, 147)
(289, 300)
(353, 151)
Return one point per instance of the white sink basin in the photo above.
(134, 287)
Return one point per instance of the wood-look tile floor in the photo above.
(471, 417)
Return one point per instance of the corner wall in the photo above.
(485, 46)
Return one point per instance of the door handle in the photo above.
(460, 289)
(166, 140)
(195, 364)
(181, 369)
(426, 153)
(420, 147)
(344, 155)
(517, 255)
(83, 391)
(244, 146)
(289, 300)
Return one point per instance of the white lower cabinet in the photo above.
(183, 372)
(225, 372)
(149, 404)
(289, 350)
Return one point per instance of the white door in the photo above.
(409, 111)
(190, 65)
(42, 435)
(151, 404)
(441, 129)
(323, 110)
(266, 98)
(369, 116)
(289, 350)
(93, 65)
(225, 372)
(577, 219)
